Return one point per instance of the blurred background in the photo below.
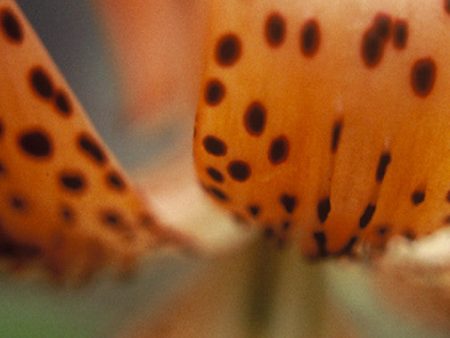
(135, 66)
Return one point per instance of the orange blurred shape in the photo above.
(157, 48)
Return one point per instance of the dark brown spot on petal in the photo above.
(239, 170)
(111, 218)
(214, 146)
(348, 248)
(115, 181)
(321, 241)
(275, 29)
(409, 234)
(67, 214)
(400, 34)
(367, 215)
(215, 92)
(289, 202)
(418, 197)
(254, 210)
(279, 150)
(336, 135)
(323, 209)
(146, 220)
(18, 203)
(383, 163)
(215, 192)
(255, 118)
(218, 194)
(382, 25)
(374, 40)
(372, 48)
(382, 230)
(11, 26)
(2, 169)
(447, 6)
(90, 147)
(310, 38)
(73, 182)
(35, 143)
(423, 76)
(63, 104)
(114, 220)
(228, 50)
(215, 174)
(41, 82)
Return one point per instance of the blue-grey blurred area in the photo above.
(72, 33)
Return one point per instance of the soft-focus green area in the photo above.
(35, 308)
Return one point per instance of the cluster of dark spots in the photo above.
(90, 147)
(43, 86)
(214, 92)
(321, 240)
(279, 150)
(41, 82)
(447, 197)
(228, 50)
(275, 29)
(255, 118)
(286, 225)
(418, 197)
(310, 38)
(254, 210)
(323, 209)
(18, 203)
(336, 135)
(72, 181)
(400, 34)
(11, 25)
(67, 214)
(63, 104)
(289, 202)
(423, 76)
(375, 38)
(36, 143)
(2, 128)
(214, 146)
(215, 174)
(367, 215)
(115, 181)
(239, 170)
(383, 163)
